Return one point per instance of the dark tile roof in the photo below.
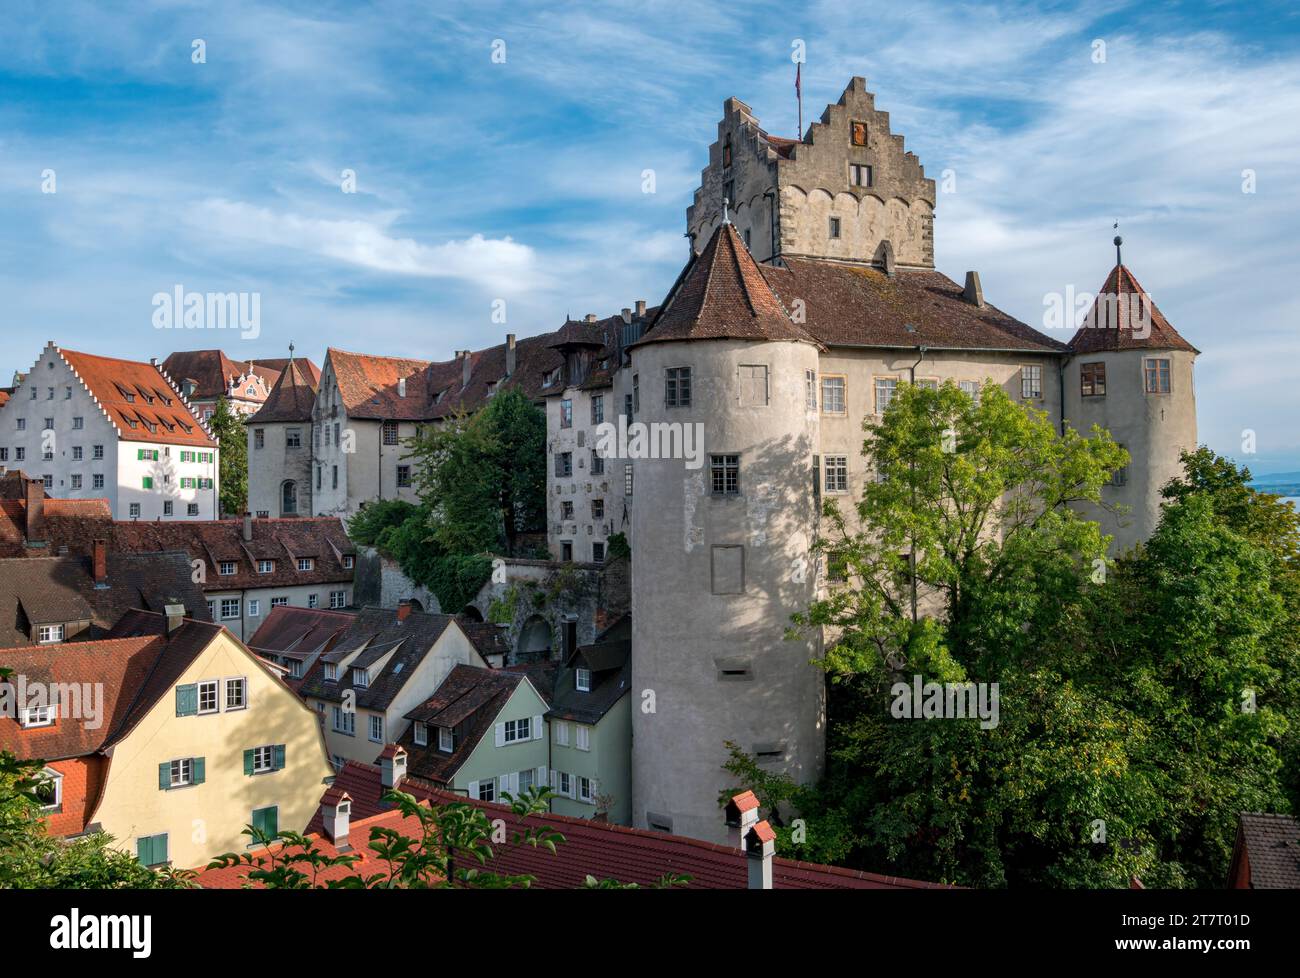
(1109, 326)
(858, 305)
(212, 371)
(117, 666)
(377, 631)
(723, 295)
(50, 590)
(292, 397)
(589, 848)
(1271, 847)
(322, 538)
(299, 633)
(130, 392)
(488, 638)
(610, 663)
(470, 699)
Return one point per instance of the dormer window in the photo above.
(37, 716)
(582, 680)
(420, 734)
(266, 566)
(49, 634)
(361, 678)
(331, 672)
(226, 568)
(304, 563)
(446, 740)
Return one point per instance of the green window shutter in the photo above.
(187, 700)
(165, 775)
(198, 768)
(248, 762)
(279, 757)
(160, 848)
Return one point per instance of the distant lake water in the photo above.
(1293, 499)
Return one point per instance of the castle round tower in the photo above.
(721, 558)
(1130, 372)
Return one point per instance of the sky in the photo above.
(498, 156)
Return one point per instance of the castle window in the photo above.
(725, 474)
(833, 394)
(837, 473)
(677, 387)
(1031, 382)
(753, 385)
(598, 409)
(566, 414)
(597, 463)
(1156, 372)
(403, 477)
(860, 175)
(726, 151)
(390, 432)
(1092, 380)
(835, 227)
(1120, 476)
(810, 389)
(564, 465)
(886, 387)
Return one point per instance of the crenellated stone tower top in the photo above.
(846, 191)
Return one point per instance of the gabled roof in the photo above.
(368, 385)
(1270, 846)
(66, 523)
(299, 633)
(1112, 324)
(722, 295)
(859, 305)
(116, 666)
(610, 662)
(470, 698)
(590, 848)
(292, 397)
(52, 590)
(137, 393)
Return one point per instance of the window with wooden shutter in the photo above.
(187, 700)
(198, 770)
(279, 757)
(249, 761)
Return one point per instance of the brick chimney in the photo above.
(99, 561)
(760, 844)
(742, 815)
(392, 766)
(973, 292)
(336, 812)
(34, 528)
(403, 610)
(511, 355)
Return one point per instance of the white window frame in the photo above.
(582, 680)
(561, 733)
(212, 686)
(446, 740)
(266, 566)
(38, 716)
(226, 568)
(373, 719)
(266, 751)
(49, 634)
(1029, 374)
(582, 736)
(230, 603)
(55, 778)
(420, 734)
(304, 563)
(231, 684)
(889, 387)
(181, 773)
(838, 467)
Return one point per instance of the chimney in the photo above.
(34, 529)
(627, 315)
(99, 560)
(392, 766)
(741, 815)
(175, 615)
(510, 355)
(248, 527)
(589, 318)
(336, 813)
(640, 308)
(464, 368)
(401, 386)
(973, 292)
(403, 610)
(760, 844)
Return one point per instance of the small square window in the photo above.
(724, 471)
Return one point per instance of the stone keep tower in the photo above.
(846, 191)
(1132, 373)
(721, 556)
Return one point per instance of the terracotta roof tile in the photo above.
(1110, 323)
(292, 397)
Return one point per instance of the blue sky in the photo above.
(521, 181)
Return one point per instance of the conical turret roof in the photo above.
(1123, 317)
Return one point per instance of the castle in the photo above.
(811, 294)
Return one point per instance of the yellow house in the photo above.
(214, 741)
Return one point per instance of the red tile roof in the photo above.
(1110, 324)
(300, 632)
(590, 848)
(139, 394)
(723, 295)
(292, 397)
(369, 389)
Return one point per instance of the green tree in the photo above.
(229, 428)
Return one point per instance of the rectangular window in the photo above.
(266, 566)
(77, 453)
(263, 759)
(279, 602)
(207, 696)
(860, 175)
(566, 413)
(598, 409)
(266, 821)
(753, 385)
(598, 509)
(22, 424)
(377, 728)
(293, 438)
(597, 463)
(349, 561)
(360, 678)
(313, 601)
(420, 734)
(78, 424)
(564, 465)
(810, 389)
(76, 481)
(37, 716)
(1120, 476)
(517, 730)
(564, 783)
(47, 634)
(446, 740)
(304, 563)
(181, 772)
(561, 733)
(254, 608)
(636, 393)
(403, 477)
(833, 394)
(226, 568)
(192, 509)
(390, 432)
(627, 479)
(487, 789)
(1031, 383)
(167, 507)
(584, 789)
(1092, 379)
(134, 511)
(835, 227)
(597, 553)
(236, 693)
(886, 387)
(338, 599)
(345, 721)
(677, 387)
(837, 473)
(566, 509)
(151, 850)
(48, 481)
(1155, 370)
(582, 680)
(259, 438)
(146, 482)
(724, 473)
(971, 389)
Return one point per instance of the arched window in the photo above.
(288, 498)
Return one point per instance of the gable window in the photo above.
(582, 680)
(1092, 379)
(1155, 370)
(361, 678)
(390, 432)
(837, 473)
(886, 388)
(236, 693)
(348, 561)
(38, 716)
(753, 385)
(566, 413)
(677, 387)
(446, 740)
(48, 634)
(208, 696)
(1031, 382)
(860, 175)
(331, 672)
(833, 394)
(376, 728)
(724, 473)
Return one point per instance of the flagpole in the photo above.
(798, 92)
